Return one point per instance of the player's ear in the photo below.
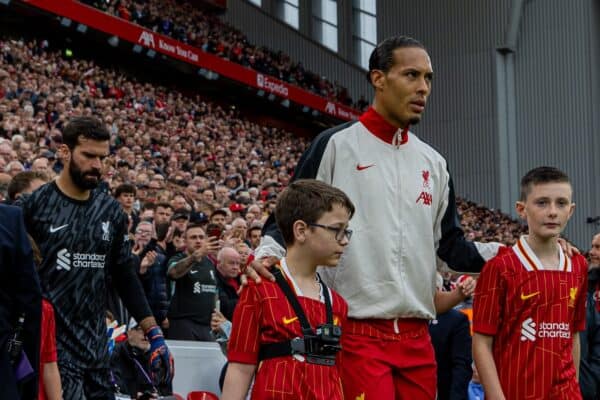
(572, 210)
(299, 228)
(377, 79)
(63, 152)
(520, 208)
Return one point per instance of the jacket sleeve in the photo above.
(20, 291)
(589, 369)
(461, 358)
(307, 168)
(456, 251)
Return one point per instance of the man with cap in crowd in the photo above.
(180, 219)
(219, 217)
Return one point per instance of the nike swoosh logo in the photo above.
(528, 296)
(361, 167)
(287, 321)
(58, 228)
(193, 272)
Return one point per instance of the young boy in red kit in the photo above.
(529, 304)
(295, 360)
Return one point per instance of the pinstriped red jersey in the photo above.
(264, 315)
(532, 312)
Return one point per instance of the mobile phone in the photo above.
(214, 231)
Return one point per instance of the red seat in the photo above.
(202, 395)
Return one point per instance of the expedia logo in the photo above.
(264, 82)
(147, 39)
(66, 261)
(544, 330)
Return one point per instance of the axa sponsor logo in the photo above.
(66, 260)
(147, 39)
(425, 196)
(264, 82)
(530, 330)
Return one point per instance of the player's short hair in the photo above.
(88, 127)
(307, 200)
(541, 175)
(382, 56)
(21, 181)
(125, 188)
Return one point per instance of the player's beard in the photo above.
(87, 180)
(414, 121)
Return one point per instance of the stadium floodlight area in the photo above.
(151, 53)
(5, 2)
(82, 28)
(286, 103)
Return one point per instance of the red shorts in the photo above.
(387, 360)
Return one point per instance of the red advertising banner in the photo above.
(136, 34)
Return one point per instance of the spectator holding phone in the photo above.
(195, 287)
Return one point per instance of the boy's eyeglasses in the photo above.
(340, 233)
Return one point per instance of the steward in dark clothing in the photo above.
(451, 340)
(589, 368)
(19, 293)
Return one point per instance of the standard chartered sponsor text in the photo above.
(87, 260)
(554, 330)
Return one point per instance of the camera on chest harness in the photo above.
(318, 346)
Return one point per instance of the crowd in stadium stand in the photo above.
(182, 160)
(204, 30)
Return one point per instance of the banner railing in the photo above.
(138, 35)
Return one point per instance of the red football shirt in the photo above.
(532, 312)
(47, 343)
(264, 315)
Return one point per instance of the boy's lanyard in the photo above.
(293, 300)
